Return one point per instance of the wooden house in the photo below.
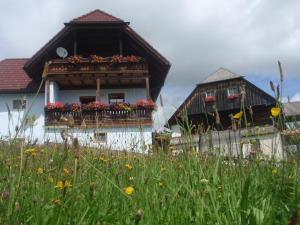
(102, 91)
(222, 94)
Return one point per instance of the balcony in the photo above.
(83, 116)
(96, 65)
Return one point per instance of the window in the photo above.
(210, 93)
(19, 104)
(116, 97)
(100, 137)
(87, 99)
(232, 91)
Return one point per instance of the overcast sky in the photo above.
(196, 36)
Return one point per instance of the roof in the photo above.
(220, 75)
(292, 108)
(96, 16)
(13, 77)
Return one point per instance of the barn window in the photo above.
(19, 104)
(233, 93)
(210, 96)
(100, 137)
(116, 98)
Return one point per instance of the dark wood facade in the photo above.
(257, 104)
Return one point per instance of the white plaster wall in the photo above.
(131, 95)
(137, 139)
(8, 124)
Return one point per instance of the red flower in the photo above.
(143, 103)
(210, 99)
(232, 97)
(97, 105)
(56, 105)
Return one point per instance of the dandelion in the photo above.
(274, 171)
(128, 166)
(31, 151)
(275, 111)
(63, 184)
(40, 171)
(129, 190)
(238, 116)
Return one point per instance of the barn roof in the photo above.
(220, 75)
(292, 109)
(13, 78)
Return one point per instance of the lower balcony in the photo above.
(111, 116)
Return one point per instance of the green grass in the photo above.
(186, 189)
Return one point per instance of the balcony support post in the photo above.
(47, 92)
(98, 89)
(147, 88)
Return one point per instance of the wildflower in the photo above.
(17, 205)
(275, 111)
(40, 171)
(64, 184)
(128, 166)
(131, 178)
(103, 159)
(129, 190)
(57, 201)
(203, 181)
(290, 178)
(5, 195)
(274, 171)
(50, 179)
(31, 151)
(67, 171)
(238, 116)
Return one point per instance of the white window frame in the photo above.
(230, 91)
(210, 93)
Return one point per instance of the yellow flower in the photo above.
(40, 171)
(50, 179)
(128, 166)
(238, 115)
(31, 151)
(290, 178)
(275, 111)
(129, 190)
(274, 171)
(63, 184)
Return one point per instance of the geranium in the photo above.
(275, 111)
(115, 59)
(75, 59)
(75, 107)
(55, 105)
(121, 106)
(97, 105)
(144, 103)
(232, 97)
(132, 59)
(96, 59)
(210, 99)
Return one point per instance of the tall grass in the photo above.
(185, 189)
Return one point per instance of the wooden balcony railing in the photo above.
(93, 119)
(63, 66)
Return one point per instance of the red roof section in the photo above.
(96, 16)
(12, 75)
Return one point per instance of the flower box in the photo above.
(232, 97)
(209, 99)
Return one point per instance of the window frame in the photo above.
(86, 97)
(210, 91)
(233, 94)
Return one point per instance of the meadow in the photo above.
(55, 185)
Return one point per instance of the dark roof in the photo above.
(291, 108)
(220, 75)
(96, 16)
(13, 78)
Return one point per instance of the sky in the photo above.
(196, 36)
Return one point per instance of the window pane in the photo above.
(116, 97)
(100, 137)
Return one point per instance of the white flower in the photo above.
(203, 181)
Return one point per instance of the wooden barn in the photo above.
(222, 94)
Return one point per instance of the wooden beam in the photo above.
(98, 89)
(75, 44)
(147, 87)
(47, 91)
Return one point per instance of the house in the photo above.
(210, 110)
(96, 79)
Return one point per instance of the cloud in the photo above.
(197, 36)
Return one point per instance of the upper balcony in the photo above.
(132, 66)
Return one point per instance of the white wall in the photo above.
(131, 95)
